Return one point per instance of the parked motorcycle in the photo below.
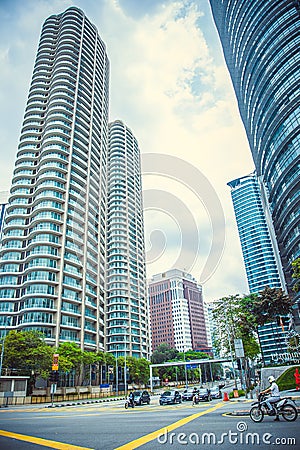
(285, 407)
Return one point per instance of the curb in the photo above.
(245, 413)
(237, 413)
(84, 402)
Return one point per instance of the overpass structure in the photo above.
(196, 362)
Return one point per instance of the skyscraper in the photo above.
(53, 249)
(127, 306)
(177, 312)
(260, 41)
(260, 252)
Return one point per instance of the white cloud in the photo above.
(167, 86)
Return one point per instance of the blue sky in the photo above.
(169, 84)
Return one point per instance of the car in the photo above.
(189, 393)
(204, 395)
(170, 398)
(141, 397)
(215, 392)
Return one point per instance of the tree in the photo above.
(71, 357)
(234, 321)
(296, 274)
(270, 304)
(240, 317)
(26, 353)
(163, 353)
(143, 370)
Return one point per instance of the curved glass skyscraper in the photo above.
(127, 310)
(52, 269)
(260, 253)
(261, 42)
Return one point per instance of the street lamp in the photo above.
(230, 348)
(2, 349)
(185, 369)
(117, 375)
(125, 363)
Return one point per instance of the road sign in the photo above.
(192, 366)
(239, 348)
(53, 388)
(55, 361)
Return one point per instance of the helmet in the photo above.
(271, 379)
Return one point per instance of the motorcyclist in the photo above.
(131, 399)
(274, 397)
(195, 396)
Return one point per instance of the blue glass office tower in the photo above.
(261, 42)
(52, 259)
(260, 253)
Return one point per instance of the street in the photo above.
(109, 426)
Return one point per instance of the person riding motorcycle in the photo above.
(274, 397)
(131, 399)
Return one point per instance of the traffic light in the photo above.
(120, 372)
(93, 372)
(54, 376)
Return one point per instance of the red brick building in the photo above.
(177, 312)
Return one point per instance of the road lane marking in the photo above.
(40, 441)
(154, 435)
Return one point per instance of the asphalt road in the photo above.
(110, 426)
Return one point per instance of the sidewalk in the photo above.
(293, 394)
(64, 403)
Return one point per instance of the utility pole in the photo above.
(117, 374)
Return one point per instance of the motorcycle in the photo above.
(285, 407)
(129, 403)
(196, 399)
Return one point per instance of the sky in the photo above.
(170, 85)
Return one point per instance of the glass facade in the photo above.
(260, 253)
(261, 40)
(127, 309)
(52, 267)
(2, 215)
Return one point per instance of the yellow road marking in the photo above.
(154, 435)
(40, 441)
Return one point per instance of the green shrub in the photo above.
(241, 393)
(286, 380)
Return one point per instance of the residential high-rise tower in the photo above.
(52, 269)
(126, 299)
(3, 204)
